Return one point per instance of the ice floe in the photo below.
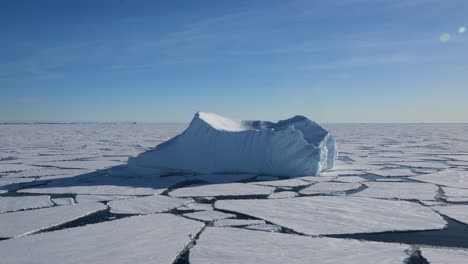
(457, 212)
(208, 215)
(146, 205)
(444, 255)
(329, 188)
(338, 214)
(31, 221)
(226, 189)
(141, 239)
(399, 190)
(237, 222)
(282, 195)
(233, 245)
(450, 178)
(11, 204)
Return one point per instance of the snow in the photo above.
(237, 222)
(146, 205)
(11, 204)
(284, 183)
(199, 207)
(329, 188)
(444, 255)
(224, 178)
(216, 190)
(84, 198)
(63, 201)
(215, 144)
(321, 215)
(264, 227)
(141, 239)
(108, 185)
(233, 245)
(282, 195)
(457, 212)
(450, 178)
(399, 190)
(208, 215)
(455, 194)
(392, 172)
(349, 179)
(32, 221)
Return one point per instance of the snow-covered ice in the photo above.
(226, 189)
(450, 178)
(330, 188)
(457, 212)
(233, 245)
(284, 183)
(215, 144)
(237, 222)
(321, 215)
(141, 239)
(146, 205)
(399, 190)
(208, 215)
(11, 204)
(282, 195)
(444, 255)
(31, 221)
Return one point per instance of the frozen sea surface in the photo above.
(61, 199)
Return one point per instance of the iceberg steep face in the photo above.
(215, 144)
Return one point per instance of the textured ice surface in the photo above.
(63, 201)
(338, 215)
(232, 245)
(284, 183)
(84, 198)
(392, 172)
(146, 205)
(457, 212)
(208, 215)
(399, 190)
(214, 144)
(444, 255)
(450, 178)
(11, 204)
(141, 239)
(349, 179)
(282, 195)
(25, 222)
(394, 148)
(329, 187)
(227, 189)
(108, 185)
(237, 222)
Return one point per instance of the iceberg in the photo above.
(215, 144)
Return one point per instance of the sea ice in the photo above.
(457, 212)
(399, 190)
(284, 183)
(320, 215)
(233, 245)
(214, 144)
(237, 222)
(145, 239)
(282, 195)
(63, 201)
(392, 172)
(226, 189)
(264, 227)
(330, 187)
(11, 204)
(146, 205)
(444, 255)
(455, 194)
(90, 198)
(31, 221)
(208, 215)
(450, 178)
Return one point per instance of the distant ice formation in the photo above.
(215, 144)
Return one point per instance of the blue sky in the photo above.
(151, 61)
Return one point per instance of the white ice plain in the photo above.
(215, 144)
(37, 162)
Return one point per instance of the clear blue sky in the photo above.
(333, 61)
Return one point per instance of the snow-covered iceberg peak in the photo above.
(215, 144)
